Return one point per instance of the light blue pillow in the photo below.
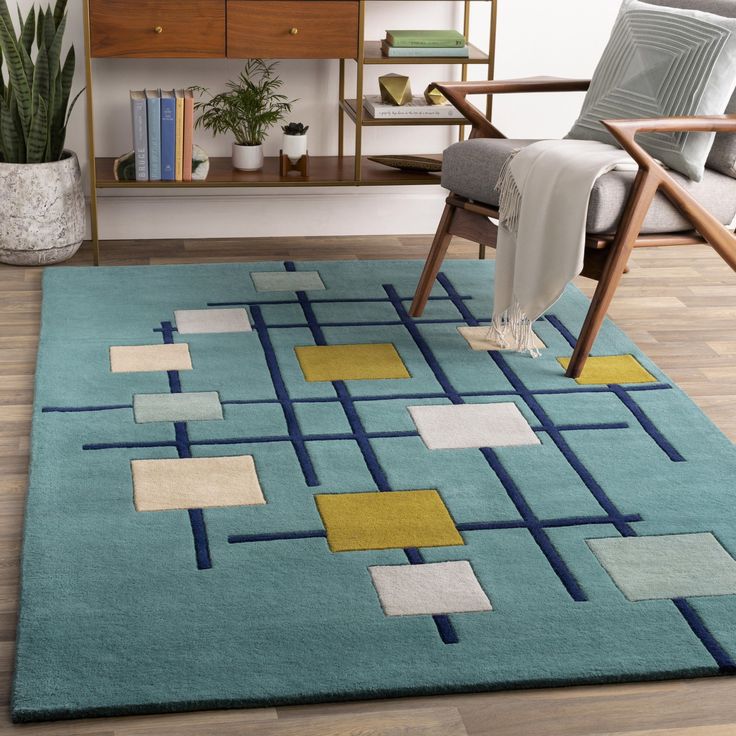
(663, 62)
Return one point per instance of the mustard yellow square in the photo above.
(612, 369)
(388, 520)
(351, 362)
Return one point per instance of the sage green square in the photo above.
(667, 566)
(183, 407)
(287, 281)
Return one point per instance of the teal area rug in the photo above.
(261, 484)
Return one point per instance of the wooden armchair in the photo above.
(607, 253)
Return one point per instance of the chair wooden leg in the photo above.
(644, 189)
(436, 255)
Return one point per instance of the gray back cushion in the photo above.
(723, 154)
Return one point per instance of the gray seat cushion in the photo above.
(471, 168)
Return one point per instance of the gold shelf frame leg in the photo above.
(341, 113)
(91, 138)
(464, 68)
(359, 92)
(492, 55)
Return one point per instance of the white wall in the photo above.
(534, 37)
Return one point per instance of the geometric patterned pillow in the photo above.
(663, 62)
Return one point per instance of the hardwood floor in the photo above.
(677, 304)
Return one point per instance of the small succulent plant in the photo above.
(295, 129)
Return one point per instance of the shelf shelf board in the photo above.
(325, 171)
(349, 106)
(372, 55)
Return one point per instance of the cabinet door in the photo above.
(292, 29)
(158, 28)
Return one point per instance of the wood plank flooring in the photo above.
(677, 304)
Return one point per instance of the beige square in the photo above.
(478, 339)
(195, 483)
(139, 358)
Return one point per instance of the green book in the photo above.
(416, 39)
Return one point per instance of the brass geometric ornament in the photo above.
(395, 89)
(434, 97)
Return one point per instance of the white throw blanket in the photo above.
(544, 194)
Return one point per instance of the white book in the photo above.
(140, 133)
(417, 108)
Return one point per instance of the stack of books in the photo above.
(163, 131)
(425, 43)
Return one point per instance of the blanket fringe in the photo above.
(513, 329)
(509, 196)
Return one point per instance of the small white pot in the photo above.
(294, 146)
(248, 158)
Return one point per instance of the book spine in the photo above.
(444, 112)
(140, 137)
(426, 51)
(422, 41)
(168, 138)
(179, 172)
(188, 136)
(154, 138)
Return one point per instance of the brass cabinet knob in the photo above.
(158, 29)
(294, 31)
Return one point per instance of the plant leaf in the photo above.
(55, 50)
(16, 73)
(39, 27)
(29, 30)
(59, 10)
(49, 29)
(5, 15)
(38, 135)
(11, 143)
(71, 106)
(41, 81)
(2, 79)
(67, 77)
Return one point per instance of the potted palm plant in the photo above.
(42, 208)
(247, 109)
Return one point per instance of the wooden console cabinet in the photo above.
(268, 29)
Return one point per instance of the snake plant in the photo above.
(34, 93)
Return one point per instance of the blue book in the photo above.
(168, 135)
(140, 134)
(153, 105)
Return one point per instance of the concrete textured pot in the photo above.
(42, 211)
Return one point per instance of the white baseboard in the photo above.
(124, 214)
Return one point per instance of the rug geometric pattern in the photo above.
(412, 498)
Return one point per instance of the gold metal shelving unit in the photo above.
(340, 170)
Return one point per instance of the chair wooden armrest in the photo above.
(457, 92)
(655, 176)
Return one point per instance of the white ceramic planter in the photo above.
(248, 158)
(42, 211)
(294, 146)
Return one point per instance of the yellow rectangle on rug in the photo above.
(351, 362)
